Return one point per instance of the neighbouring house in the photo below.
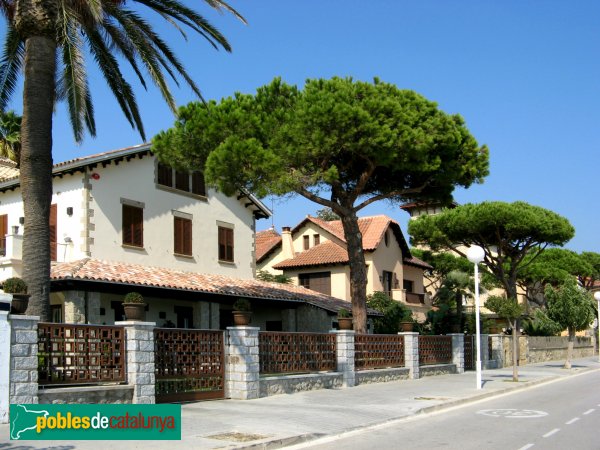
(314, 255)
(121, 221)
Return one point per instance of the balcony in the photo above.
(411, 298)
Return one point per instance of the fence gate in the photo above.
(189, 364)
(469, 352)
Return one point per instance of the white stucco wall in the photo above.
(384, 258)
(135, 181)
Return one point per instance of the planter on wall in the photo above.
(241, 318)
(19, 303)
(345, 323)
(407, 326)
(135, 311)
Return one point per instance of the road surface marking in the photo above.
(589, 411)
(513, 413)
(572, 421)
(550, 433)
(525, 447)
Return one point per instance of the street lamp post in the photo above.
(475, 254)
(597, 297)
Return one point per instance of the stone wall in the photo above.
(290, 384)
(381, 375)
(313, 319)
(535, 349)
(87, 395)
(438, 369)
(23, 359)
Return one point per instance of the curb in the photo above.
(304, 438)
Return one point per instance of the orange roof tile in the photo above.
(93, 270)
(326, 253)
(266, 241)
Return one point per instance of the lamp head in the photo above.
(475, 254)
(597, 295)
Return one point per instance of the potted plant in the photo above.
(407, 323)
(242, 312)
(134, 306)
(344, 319)
(20, 298)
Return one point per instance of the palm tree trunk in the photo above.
(358, 271)
(36, 169)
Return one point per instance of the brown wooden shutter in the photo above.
(53, 243)
(133, 226)
(225, 244)
(198, 184)
(165, 175)
(306, 242)
(3, 233)
(182, 181)
(183, 236)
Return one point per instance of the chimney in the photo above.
(287, 245)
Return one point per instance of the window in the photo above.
(316, 240)
(56, 313)
(133, 226)
(225, 244)
(318, 281)
(408, 285)
(182, 236)
(306, 242)
(182, 181)
(387, 279)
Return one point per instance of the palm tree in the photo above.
(10, 136)
(42, 33)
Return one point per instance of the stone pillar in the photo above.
(4, 366)
(24, 359)
(74, 307)
(497, 361)
(242, 369)
(485, 353)
(411, 353)
(458, 351)
(345, 355)
(140, 359)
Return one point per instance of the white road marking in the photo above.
(513, 413)
(525, 447)
(572, 421)
(589, 411)
(550, 433)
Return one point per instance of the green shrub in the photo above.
(133, 297)
(242, 304)
(14, 285)
(393, 313)
(344, 313)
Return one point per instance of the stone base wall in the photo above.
(438, 369)
(382, 375)
(87, 394)
(536, 349)
(290, 384)
(557, 354)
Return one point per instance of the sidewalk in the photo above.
(282, 420)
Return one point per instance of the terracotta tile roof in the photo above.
(94, 270)
(417, 263)
(266, 241)
(323, 254)
(8, 169)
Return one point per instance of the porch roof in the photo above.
(94, 270)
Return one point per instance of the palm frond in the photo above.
(122, 90)
(13, 55)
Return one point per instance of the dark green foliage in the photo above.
(506, 308)
(344, 313)
(541, 325)
(133, 297)
(264, 275)
(14, 285)
(327, 214)
(242, 304)
(341, 143)
(570, 306)
(393, 313)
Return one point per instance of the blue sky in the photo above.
(524, 74)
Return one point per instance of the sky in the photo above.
(525, 75)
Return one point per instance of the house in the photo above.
(314, 255)
(121, 221)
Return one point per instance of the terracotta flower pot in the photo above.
(345, 323)
(241, 318)
(407, 326)
(19, 303)
(135, 311)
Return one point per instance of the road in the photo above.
(559, 415)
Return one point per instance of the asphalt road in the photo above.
(561, 415)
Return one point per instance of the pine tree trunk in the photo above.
(36, 169)
(358, 271)
(570, 348)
